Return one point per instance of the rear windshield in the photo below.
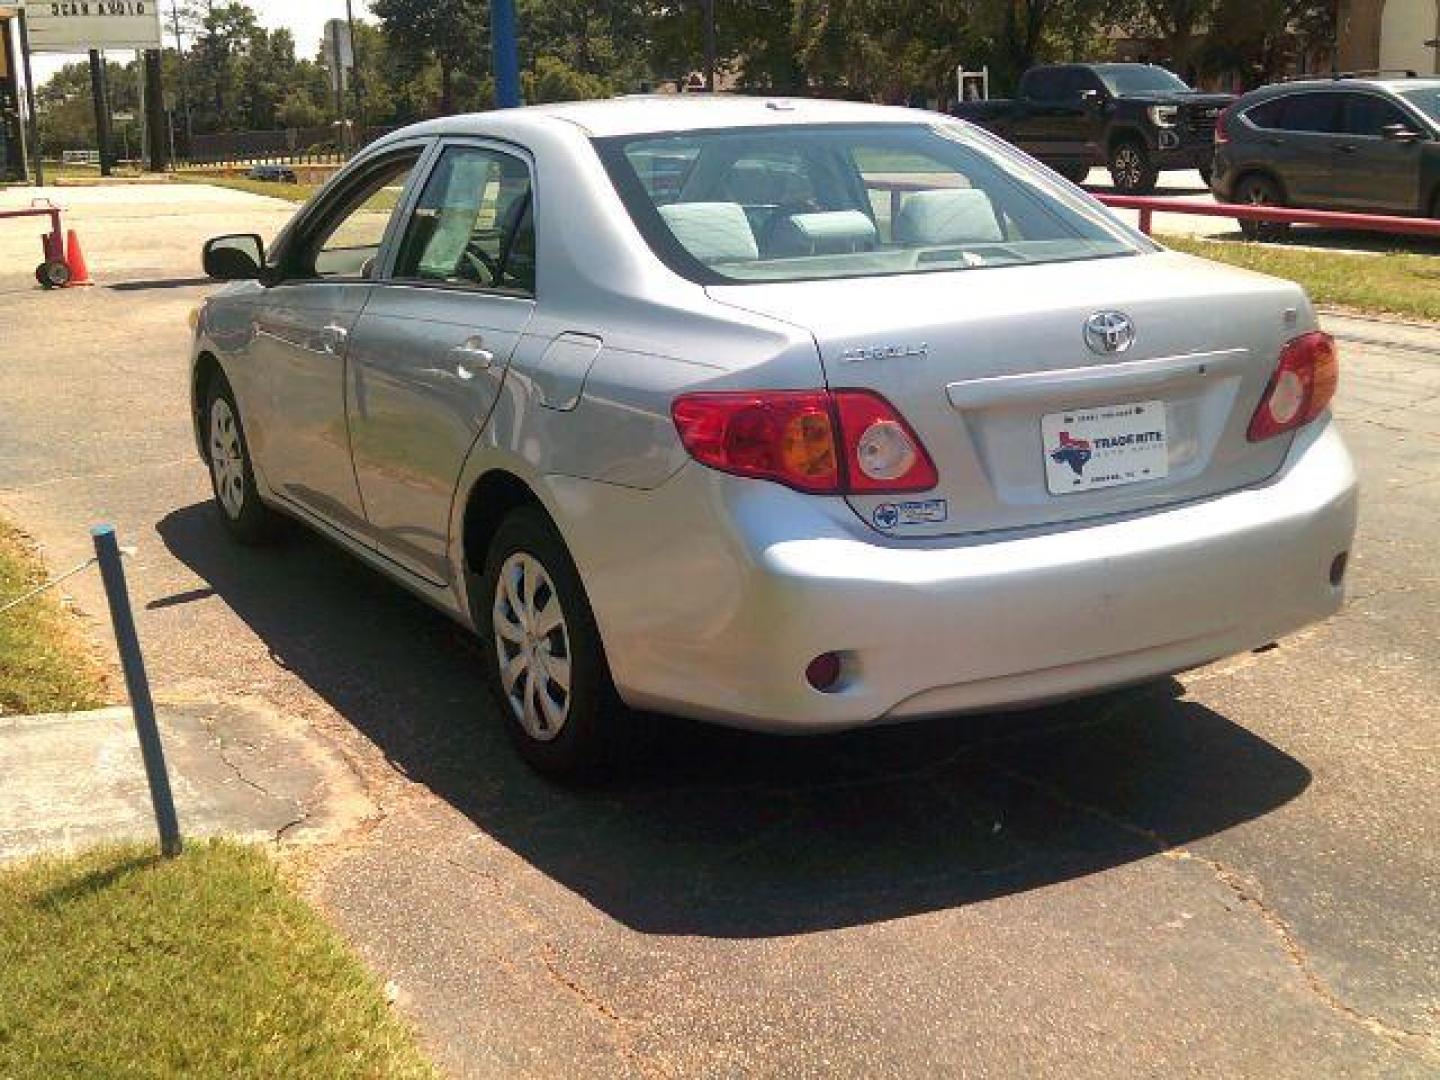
(1136, 80)
(832, 201)
(1426, 99)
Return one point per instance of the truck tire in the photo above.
(1131, 168)
(1074, 171)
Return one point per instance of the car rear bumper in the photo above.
(735, 586)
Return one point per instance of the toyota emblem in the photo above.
(1109, 332)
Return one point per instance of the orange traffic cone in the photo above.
(75, 259)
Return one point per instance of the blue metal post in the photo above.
(112, 572)
(506, 54)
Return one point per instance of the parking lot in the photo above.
(1233, 872)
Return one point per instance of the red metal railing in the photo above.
(52, 244)
(1148, 205)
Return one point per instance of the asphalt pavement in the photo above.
(1234, 873)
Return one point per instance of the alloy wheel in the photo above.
(227, 458)
(532, 644)
(1128, 166)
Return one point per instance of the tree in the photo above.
(451, 33)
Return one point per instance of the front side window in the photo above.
(829, 201)
(348, 242)
(1369, 115)
(473, 225)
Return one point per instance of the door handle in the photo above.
(1346, 148)
(471, 354)
(333, 337)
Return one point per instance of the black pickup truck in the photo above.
(1137, 119)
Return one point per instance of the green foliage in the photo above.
(420, 58)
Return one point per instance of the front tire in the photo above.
(1131, 169)
(232, 476)
(1261, 191)
(544, 658)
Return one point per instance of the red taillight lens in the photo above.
(1301, 388)
(833, 443)
(784, 435)
(881, 452)
(1222, 133)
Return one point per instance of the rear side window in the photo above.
(1046, 84)
(1369, 115)
(1314, 113)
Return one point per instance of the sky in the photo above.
(304, 18)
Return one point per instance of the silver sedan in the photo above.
(785, 414)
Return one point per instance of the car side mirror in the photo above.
(1399, 133)
(240, 257)
(1092, 98)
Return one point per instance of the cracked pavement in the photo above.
(1234, 873)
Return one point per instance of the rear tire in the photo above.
(544, 658)
(1076, 173)
(1131, 169)
(1206, 172)
(1261, 191)
(232, 476)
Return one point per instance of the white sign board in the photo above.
(79, 25)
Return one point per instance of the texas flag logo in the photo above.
(1073, 452)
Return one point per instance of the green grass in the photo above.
(296, 193)
(1388, 284)
(45, 665)
(117, 964)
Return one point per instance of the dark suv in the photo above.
(1342, 143)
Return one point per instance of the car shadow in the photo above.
(727, 834)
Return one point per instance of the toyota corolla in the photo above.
(785, 414)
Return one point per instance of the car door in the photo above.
(1372, 172)
(1299, 143)
(301, 341)
(429, 352)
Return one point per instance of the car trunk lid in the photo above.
(991, 368)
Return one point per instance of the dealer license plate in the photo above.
(1105, 446)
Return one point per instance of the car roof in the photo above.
(1392, 85)
(644, 114)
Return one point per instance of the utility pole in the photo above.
(505, 53)
(355, 76)
(100, 97)
(709, 14)
(184, 76)
(155, 113)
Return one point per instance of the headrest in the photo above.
(713, 232)
(830, 232)
(946, 216)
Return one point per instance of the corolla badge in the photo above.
(885, 352)
(1109, 332)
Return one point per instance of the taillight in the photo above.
(1222, 134)
(837, 442)
(1301, 388)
